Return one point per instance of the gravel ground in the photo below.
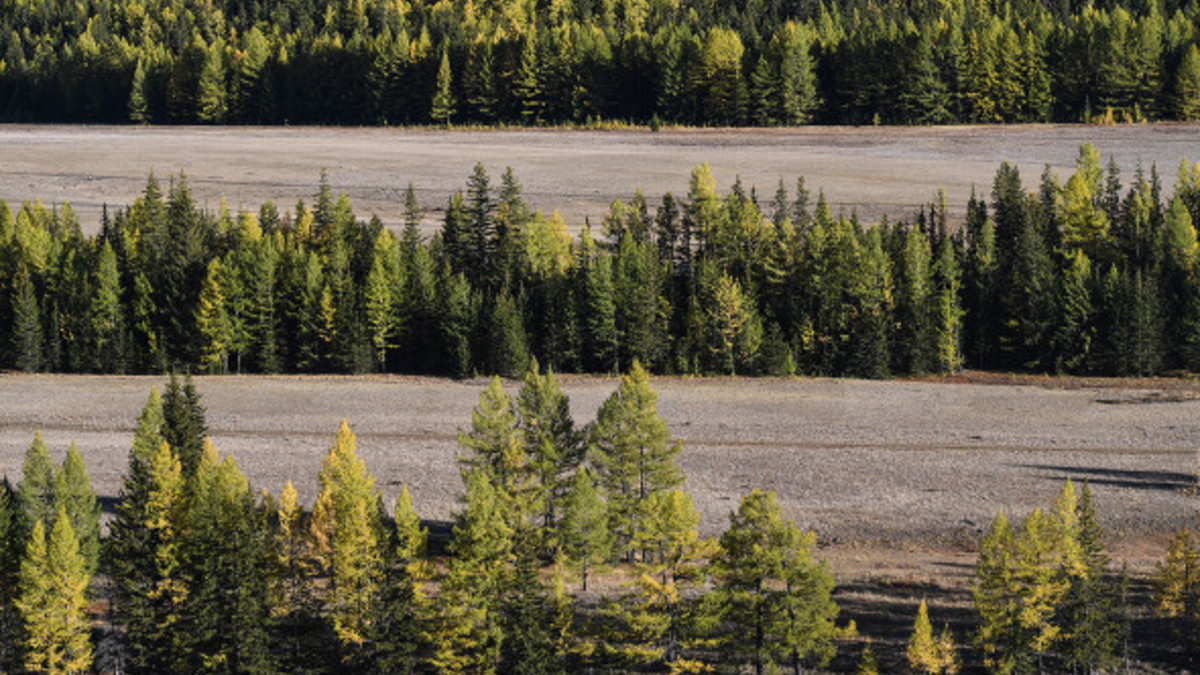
(913, 468)
(884, 170)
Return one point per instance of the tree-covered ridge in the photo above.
(764, 62)
(202, 574)
(1078, 276)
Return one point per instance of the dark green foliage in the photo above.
(1073, 278)
(27, 324)
(183, 427)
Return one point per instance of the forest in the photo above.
(1084, 276)
(199, 573)
(599, 62)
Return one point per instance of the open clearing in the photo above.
(918, 468)
(875, 171)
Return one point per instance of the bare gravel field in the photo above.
(874, 170)
(916, 468)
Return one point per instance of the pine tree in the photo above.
(776, 597)
(597, 313)
(211, 95)
(444, 104)
(225, 567)
(212, 322)
(53, 601)
(183, 426)
(381, 317)
(467, 633)
(1187, 86)
(151, 589)
(73, 491)
(552, 444)
(1177, 589)
(13, 541)
(402, 620)
(528, 620)
(1000, 636)
(139, 92)
(632, 452)
(583, 533)
(665, 615)
(914, 293)
(107, 318)
(507, 343)
(1076, 329)
(346, 528)
(496, 449)
(36, 489)
(922, 649)
(27, 341)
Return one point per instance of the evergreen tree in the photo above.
(467, 632)
(73, 492)
(107, 318)
(27, 341)
(53, 601)
(183, 426)
(212, 322)
(345, 528)
(552, 444)
(152, 589)
(632, 452)
(13, 540)
(211, 95)
(497, 450)
(584, 534)
(1076, 329)
(922, 648)
(1177, 589)
(225, 570)
(1187, 85)
(139, 94)
(508, 349)
(597, 313)
(399, 630)
(776, 597)
(36, 489)
(444, 103)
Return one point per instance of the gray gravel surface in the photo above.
(883, 170)
(898, 464)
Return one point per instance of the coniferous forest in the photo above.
(1073, 274)
(698, 62)
(199, 573)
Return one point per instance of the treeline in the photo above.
(766, 62)
(1077, 277)
(200, 574)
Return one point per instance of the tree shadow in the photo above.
(1133, 480)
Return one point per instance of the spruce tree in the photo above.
(1177, 590)
(467, 632)
(183, 426)
(633, 454)
(553, 445)
(36, 489)
(27, 341)
(444, 103)
(73, 491)
(402, 622)
(13, 541)
(226, 569)
(496, 448)
(777, 598)
(107, 320)
(583, 532)
(53, 601)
